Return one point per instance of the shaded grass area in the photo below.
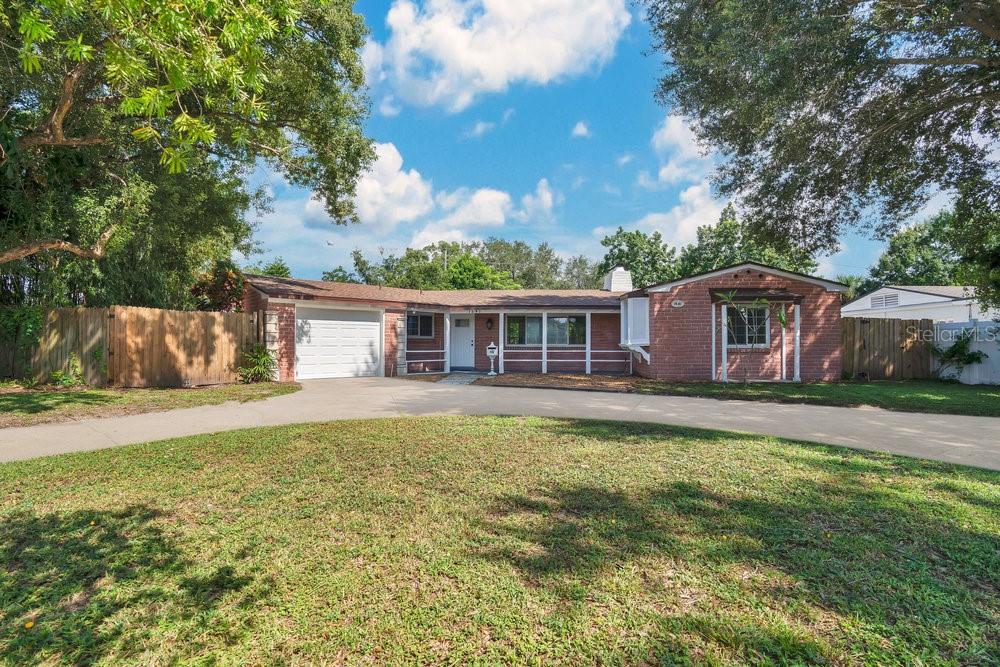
(497, 540)
(25, 407)
(929, 396)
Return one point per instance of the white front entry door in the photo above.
(463, 342)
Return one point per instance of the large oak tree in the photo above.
(843, 113)
(94, 91)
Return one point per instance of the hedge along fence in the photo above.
(886, 349)
(135, 347)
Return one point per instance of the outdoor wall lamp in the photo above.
(489, 324)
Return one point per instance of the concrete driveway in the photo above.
(969, 440)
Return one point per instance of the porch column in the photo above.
(588, 343)
(545, 342)
(447, 342)
(725, 343)
(502, 318)
(784, 326)
(713, 375)
(798, 343)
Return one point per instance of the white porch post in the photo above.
(502, 317)
(545, 342)
(447, 342)
(725, 343)
(588, 343)
(798, 343)
(784, 326)
(713, 376)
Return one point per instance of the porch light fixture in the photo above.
(489, 324)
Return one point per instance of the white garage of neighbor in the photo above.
(334, 343)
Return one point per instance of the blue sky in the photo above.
(523, 119)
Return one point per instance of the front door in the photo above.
(463, 342)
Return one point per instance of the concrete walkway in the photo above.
(969, 440)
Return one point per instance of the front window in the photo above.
(749, 326)
(561, 330)
(523, 330)
(419, 325)
(571, 330)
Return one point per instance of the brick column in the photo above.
(271, 339)
(401, 345)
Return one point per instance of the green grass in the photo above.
(496, 540)
(36, 406)
(907, 396)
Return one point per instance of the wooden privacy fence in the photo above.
(142, 347)
(885, 349)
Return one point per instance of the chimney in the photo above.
(618, 280)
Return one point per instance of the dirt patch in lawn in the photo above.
(619, 383)
(430, 377)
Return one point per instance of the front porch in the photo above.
(530, 341)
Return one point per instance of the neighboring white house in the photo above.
(941, 303)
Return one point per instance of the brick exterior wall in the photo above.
(253, 300)
(680, 338)
(431, 361)
(285, 349)
(392, 346)
(606, 334)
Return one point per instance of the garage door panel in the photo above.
(337, 343)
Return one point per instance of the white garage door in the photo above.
(336, 343)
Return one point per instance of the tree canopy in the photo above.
(490, 264)
(646, 256)
(729, 242)
(919, 255)
(179, 228)
(840, 113)
(96, 93)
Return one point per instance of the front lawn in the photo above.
(25, 407)
(907, 396)
(496, 540)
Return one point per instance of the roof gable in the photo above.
(829, 285)
(925, 295)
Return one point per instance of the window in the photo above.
(571, 330)
(523, 330)
(748, 326)
(561, 330)
(461, 323)
(419, 325)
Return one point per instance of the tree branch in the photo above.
(51, 132)
(96, 251)
(944, 61)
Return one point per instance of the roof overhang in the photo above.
(828, 285)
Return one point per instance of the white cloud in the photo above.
(397, 208)
(681, 157)
(479, 129)
(388, 195)
(579, 182)
(611, 189)
(624, 159)
(388, 107)
(449, 52)
(679, 225)
(538, 205)
(580, 130)
(465, 210)
(507, 115)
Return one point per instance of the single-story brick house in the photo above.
(320, 329)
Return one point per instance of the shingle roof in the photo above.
(296, 288)
(949, 291)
